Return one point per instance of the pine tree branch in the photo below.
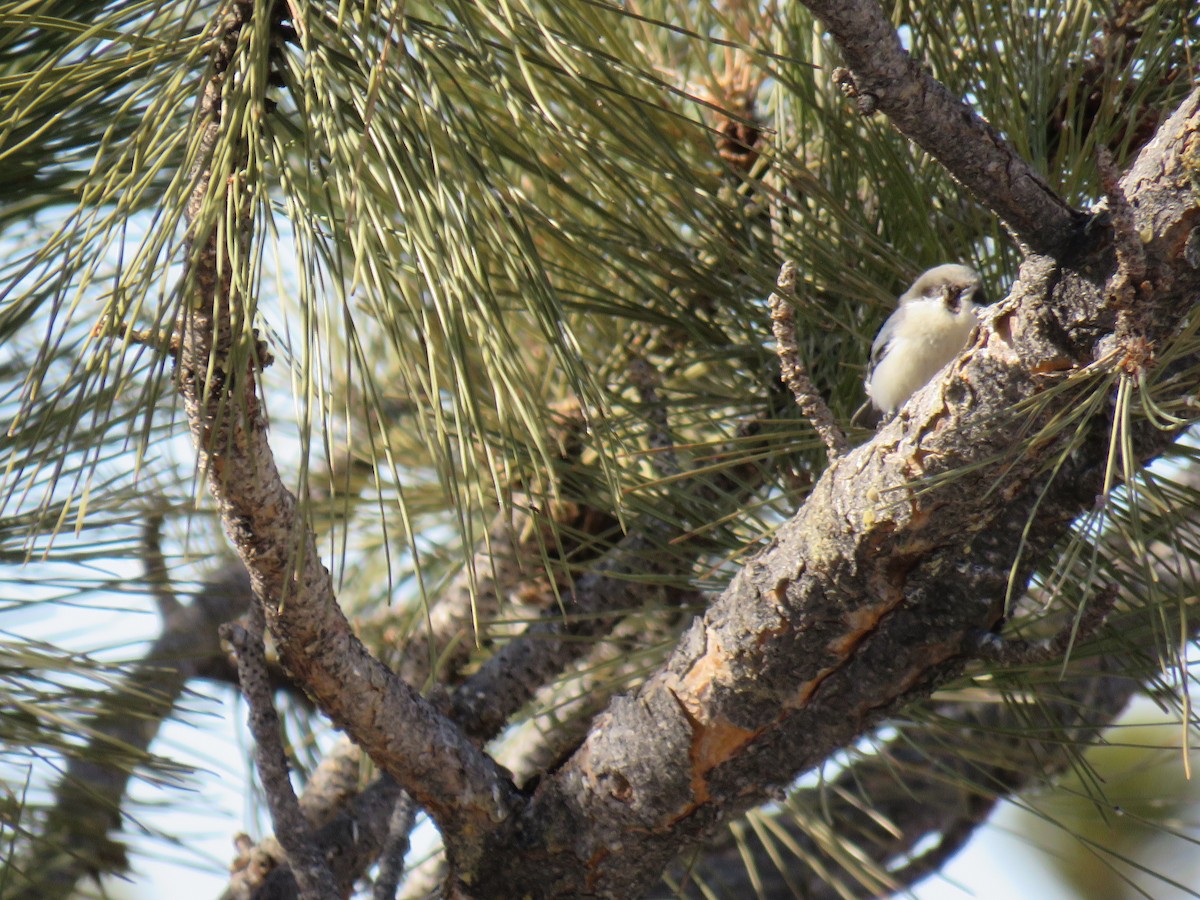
(78, 840)
(349, 825)
(876, 591)
(351, 841)
(945, 775)
(791, 368)
(349, 834)
(934, 780)
(596, 603)
(508, 562)
(312, 875)
(460, 786)
(391, 863)
(884, 77)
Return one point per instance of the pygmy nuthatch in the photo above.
(926, 331)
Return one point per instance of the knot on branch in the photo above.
(866, 102)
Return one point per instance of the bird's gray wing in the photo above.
(886, 333)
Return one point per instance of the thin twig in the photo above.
(1083, 627)
(391, 861)
(155, 565)
(791, 369)
(646, 379)
(291, 828)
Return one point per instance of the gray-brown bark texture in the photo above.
(877, 590)
(929, 782)
(881, 585)
(884, 77)
(459, 785)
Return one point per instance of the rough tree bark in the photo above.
(216, 372)
(875, 592)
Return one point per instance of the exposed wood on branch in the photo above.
(939, 778)
(879, 588)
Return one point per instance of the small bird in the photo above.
(927, 330)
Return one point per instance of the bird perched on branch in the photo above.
(927, 330)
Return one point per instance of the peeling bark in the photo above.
(879, 588)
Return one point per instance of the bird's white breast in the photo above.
(925, 337)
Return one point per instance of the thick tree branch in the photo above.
(596, 602)
(887, 78)
(940, 778)
(507, 573)
(879, 588)
(355, 836)
(460, 786)
(931, 783)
